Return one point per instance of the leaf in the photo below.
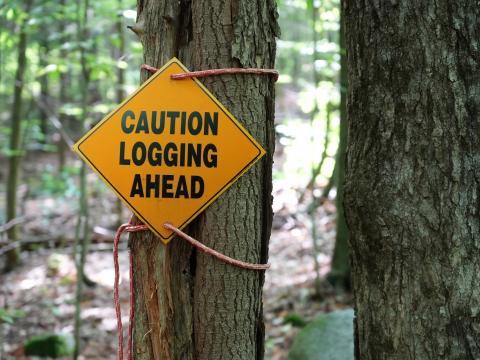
(9, 316)
(310, 5)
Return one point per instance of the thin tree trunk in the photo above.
(120, 93)
(82, 237)
(188, 305)
(15, 139)
(413, 175)
(63, 96)
(44, 86)
(340, 272)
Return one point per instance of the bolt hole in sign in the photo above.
(169, 150)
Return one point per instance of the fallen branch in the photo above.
(100, 236)
(14, 222)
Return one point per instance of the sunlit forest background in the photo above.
(64, 65)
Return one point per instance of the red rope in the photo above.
(213, 72)
(219, 256)
(129, 227)
(116, 298)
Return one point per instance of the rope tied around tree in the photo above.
(129, 227)
(214, 72)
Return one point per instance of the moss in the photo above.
(295, 320)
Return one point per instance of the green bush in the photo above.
(49, 345)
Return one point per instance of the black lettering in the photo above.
(184, 120)
(191, 128)
(158, 128)
(197, 187)
(166, 186)
(170, 154)
(139, 159)
(182, 154)
(194, 154)
(137, 188)
(142, 124)
(123, 161)
(127, 114)
(173, 117)
(152, 185)
(212, 160)
(210, 123)
(155, 154)
(182, 190)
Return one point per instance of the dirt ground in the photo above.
(43, 287)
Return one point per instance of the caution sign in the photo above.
(169, 150)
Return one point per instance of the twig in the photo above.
(316, 170)
(14, 222)
(54, 120)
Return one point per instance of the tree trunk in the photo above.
(63, 89)
(82, 234)
(189, 305)
(120, 91)
(413, 175)
(340, 272)
(43, 53)
(15, 139)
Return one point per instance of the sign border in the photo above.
(261, 151)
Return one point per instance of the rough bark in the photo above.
(413, 175)
(14, 160)
(188, 305)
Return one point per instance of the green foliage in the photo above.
(49, 345)
(53, 51)
(50, 183)
(329, 337)
(9, 316)
(309, 5)
(295, 320)
(311, 73)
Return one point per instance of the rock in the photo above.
(329, 337)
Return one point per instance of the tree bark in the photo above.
(413, 175)
(188, 305)
(15, 139)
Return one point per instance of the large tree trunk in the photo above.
(15, 138)
(413, 177)
(188, 305)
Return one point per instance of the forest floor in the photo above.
(43, 287)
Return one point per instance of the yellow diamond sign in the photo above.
(169, 150)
